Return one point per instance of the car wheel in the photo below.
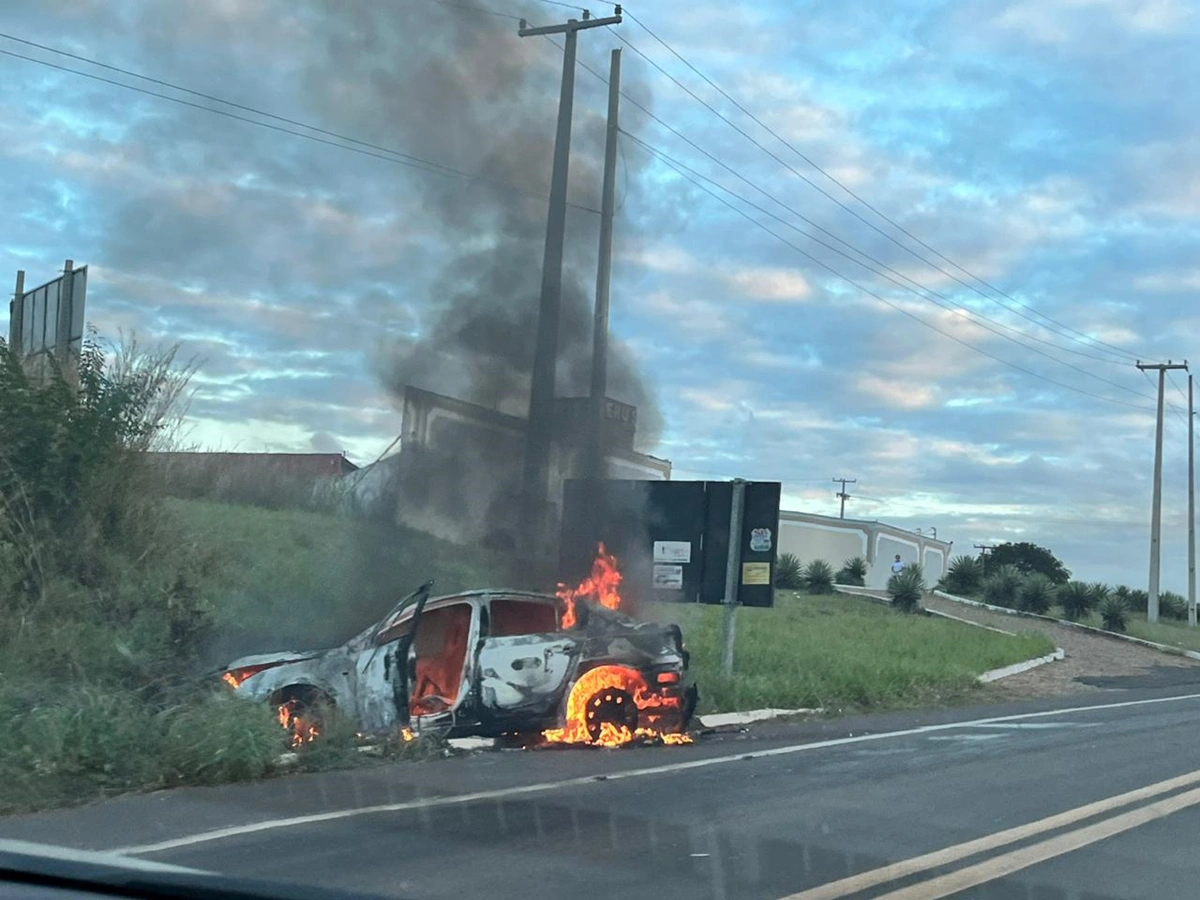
(302, 710)
(614, 707)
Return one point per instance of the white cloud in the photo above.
(771, 284)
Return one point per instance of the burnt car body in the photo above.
(485, 663)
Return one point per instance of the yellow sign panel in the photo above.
(756, 573)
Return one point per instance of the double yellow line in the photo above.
(1013, 861)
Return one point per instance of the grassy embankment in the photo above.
(842, 653)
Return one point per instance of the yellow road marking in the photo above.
(1015, 860)
(948, 855)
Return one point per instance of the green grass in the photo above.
(841, 653)
(1164, 631)
(301, 580)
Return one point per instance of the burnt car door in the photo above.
(525, 660)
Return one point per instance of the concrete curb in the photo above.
(716, 720)
(1017, 668)
(1164, 648)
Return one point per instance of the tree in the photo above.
(1028, 558)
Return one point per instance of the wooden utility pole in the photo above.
(842, 495)
(1156, 503)
(599, 386)
(1191, 508)
(540, 427)
(985, 551)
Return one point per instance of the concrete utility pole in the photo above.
(1156, 504)
(733, 567)
(599, 387)
(16, 314)
(540, 427)
(1191, 508)
(984, 551)
(842, 494)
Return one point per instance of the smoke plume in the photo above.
(461, 88)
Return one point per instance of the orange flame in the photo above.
(600, 586)
(598, 711)
(301, 730)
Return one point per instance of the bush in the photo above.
(1172, 606)
(1002, 587)
(1139, 599)
(789, 573)
(818, 577)
(1036, 594)
(906, 589)
(1100, 592)
(1112, 612)
(964, 575)
(1076, 599)
(853, 572)
(222, 739)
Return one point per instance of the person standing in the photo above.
(897, 566)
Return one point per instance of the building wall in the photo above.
(835, 540)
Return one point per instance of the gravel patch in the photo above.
(1092, 663)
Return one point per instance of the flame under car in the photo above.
(487, 663)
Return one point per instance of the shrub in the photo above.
(854, 572)
(964, 575)
(1076, 600)
(1002, 587)
(1100, 592)
(789, 573)
(906, 589)
(1036, 593)
(818, 577)
(1112, 612)
(1172, 606)
(222, 738)
(1139, 599)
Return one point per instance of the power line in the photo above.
(1088, 339)
(354, 145)
(887, 302)
(961, 311)
(946, 300)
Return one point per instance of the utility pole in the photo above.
(733, 573)
(16, 315)
(842, 494)
(1191, 508)
(540, 427)
(599, 386)
(1156, 503)
(984, 551)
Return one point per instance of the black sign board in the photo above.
(671, 538)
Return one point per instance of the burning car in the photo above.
(568, 667)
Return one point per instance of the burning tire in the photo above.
(302, 710)
(612, 706)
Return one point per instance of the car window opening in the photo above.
(441, 649)
(516, 617)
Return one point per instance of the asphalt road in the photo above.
(771, 814)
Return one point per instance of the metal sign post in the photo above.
(733, 566)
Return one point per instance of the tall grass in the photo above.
(837, 653)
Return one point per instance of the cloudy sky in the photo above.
(773, 325)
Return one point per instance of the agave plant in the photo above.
(1036, 593)
(789, 573)
(964, 575)
(854, 571)
(1100, 592)
(1002, 587)
(1076, 600)
(906, 588)
(1112, 612)
(818, 577)
(1172, 606)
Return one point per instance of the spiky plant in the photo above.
(818, 577)
(964, 575)
(1172, 606)
(1002, 587)
(1113, 612)
(1076, 600)
(789, 572)
(906, 588)
(1036, 594)
(1100, 593)
(854, 571)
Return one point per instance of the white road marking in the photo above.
(1036, 725)
(917, 864)
(666, 769)
(965, 738)
(1015, 860)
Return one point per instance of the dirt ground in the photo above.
(1092, 662)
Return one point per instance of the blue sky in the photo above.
(1049, 147)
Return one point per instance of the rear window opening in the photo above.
(509, 618)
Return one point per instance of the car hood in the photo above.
(278, 658)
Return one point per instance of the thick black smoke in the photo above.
(463, 89)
